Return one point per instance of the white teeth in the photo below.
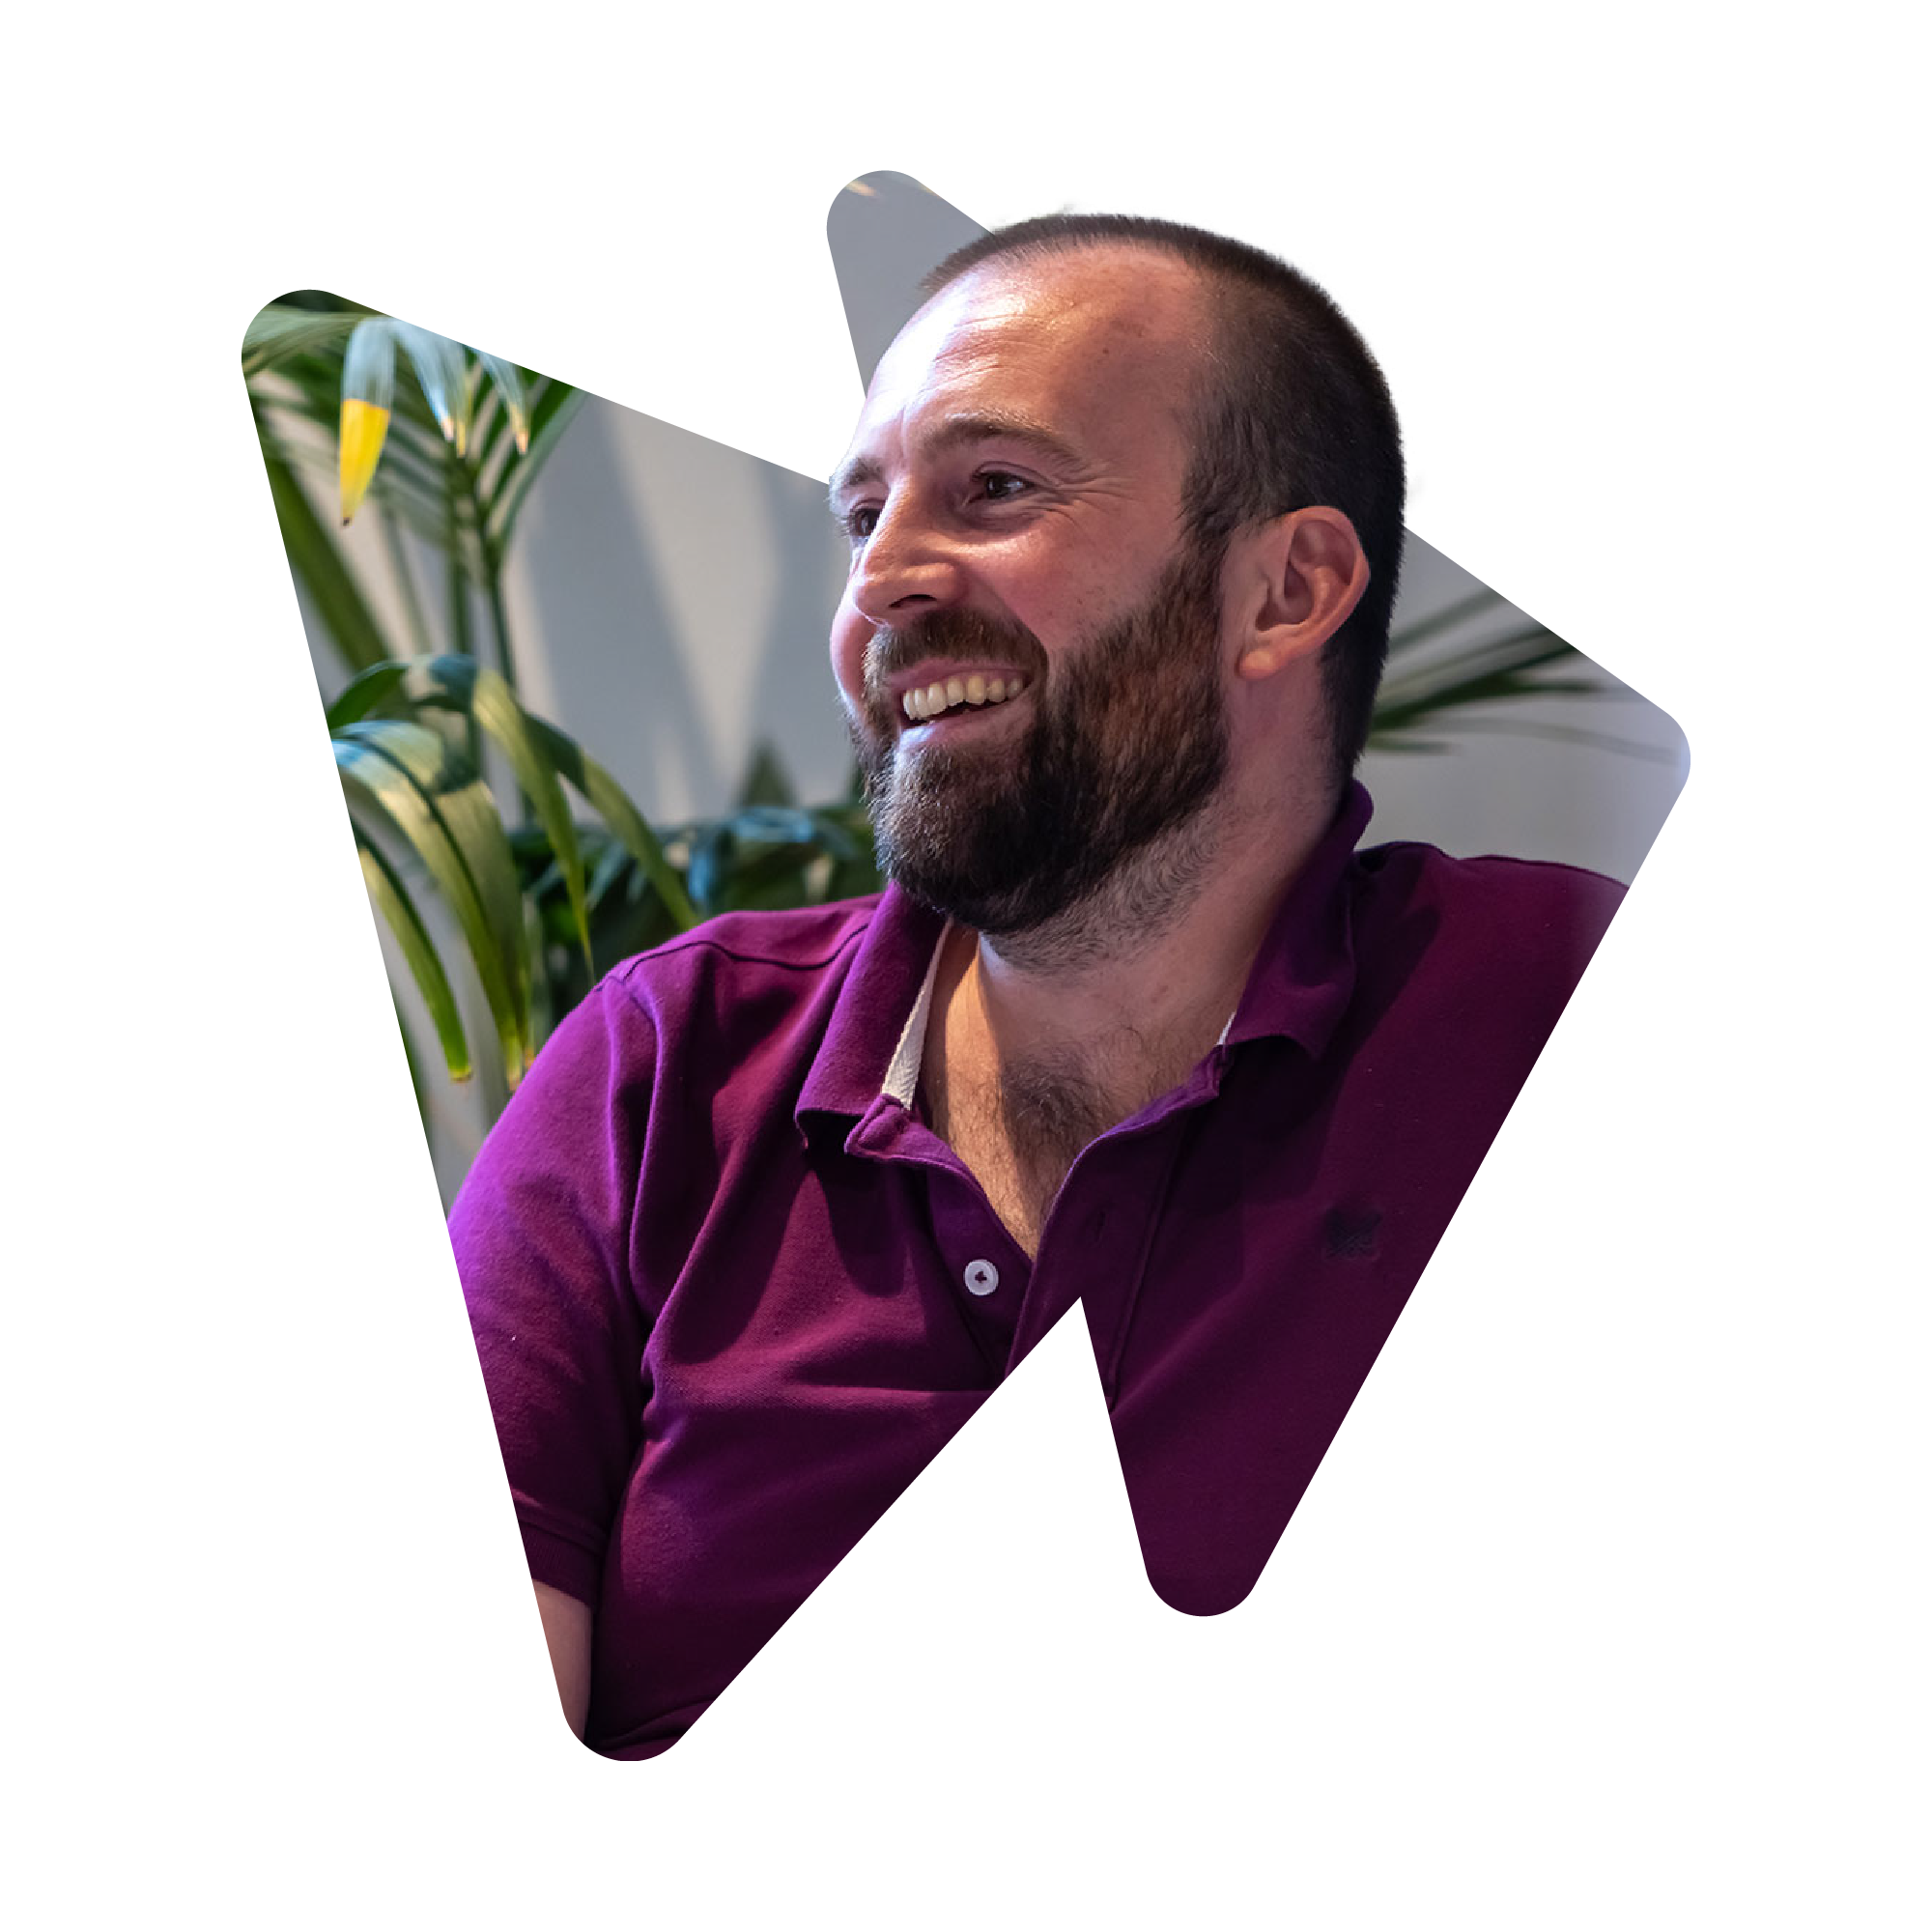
(928, 701)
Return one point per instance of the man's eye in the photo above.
(861, 521)
(1001, 486)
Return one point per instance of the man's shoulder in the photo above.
(792, 947)
(1522, 926)
(1491, 886)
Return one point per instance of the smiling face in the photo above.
(1027, 646)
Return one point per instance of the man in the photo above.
(1135, 1025)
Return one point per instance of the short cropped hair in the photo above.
(1293, 411)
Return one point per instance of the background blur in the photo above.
(669, 597)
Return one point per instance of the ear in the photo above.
(1300, 576)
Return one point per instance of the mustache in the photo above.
(948, 634)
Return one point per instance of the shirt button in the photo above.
(982, 1277)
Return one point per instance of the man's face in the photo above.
(1012, 494)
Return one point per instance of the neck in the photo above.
(1067, 1030)
(1035, 1048)
(1161, 953)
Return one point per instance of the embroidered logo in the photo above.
(1352, 1233)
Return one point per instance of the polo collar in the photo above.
(892, 974)
(1304, 974)
(1299, 985)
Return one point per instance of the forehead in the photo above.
(1101, 348)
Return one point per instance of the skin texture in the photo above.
(566, 1629)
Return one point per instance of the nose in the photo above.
(908, 565)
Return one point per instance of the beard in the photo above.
(1094, 808)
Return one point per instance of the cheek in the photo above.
(850, 636)
(1060, 608)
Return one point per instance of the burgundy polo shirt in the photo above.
(731, 1294)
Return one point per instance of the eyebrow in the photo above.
(965, 427)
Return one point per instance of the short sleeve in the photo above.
(542, 1233)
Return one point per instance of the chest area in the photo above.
(1018, 1129)
(1020, 1190)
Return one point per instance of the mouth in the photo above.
(959, 695)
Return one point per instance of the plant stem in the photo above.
(406, 583)
(499, 622)
(460, 640)
(492, 561)
(491, 557)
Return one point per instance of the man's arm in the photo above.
(541, 1232)
(566, 1629)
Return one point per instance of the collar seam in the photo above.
(901, 1081)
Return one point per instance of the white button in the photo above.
(982, 1277)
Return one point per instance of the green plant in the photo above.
(546, 907)
(455, 472)
(541, 903)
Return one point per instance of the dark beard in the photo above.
(1128, 743)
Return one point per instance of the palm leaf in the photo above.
(510, 386)
(777, 875)
(1512, 667)
(311, 387)
(366, 690)
(713, 853)
(441, 807)
(392, 901)
(494, 444)
(408, 482)
(412, 479)
(1438, 623)
(613, 863)
(444, 377)
(482, 694)
(775, 825)
(279, 332)
(607, 799)
(323, 571)
(549, 417)
(834, 834)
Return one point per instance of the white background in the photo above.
(1606, 1607)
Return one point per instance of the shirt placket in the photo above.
(992, 1275)
(1094, 1247)
(988, 1273)
(1101, 1229)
